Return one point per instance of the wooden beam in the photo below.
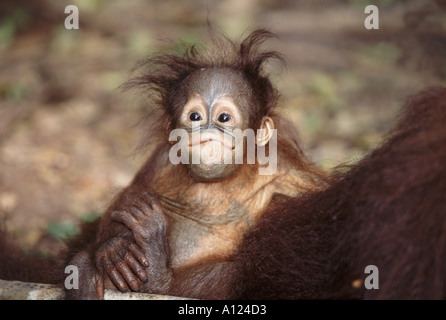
(17, 290)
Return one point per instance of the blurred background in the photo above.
(68, 134)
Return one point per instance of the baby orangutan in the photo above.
(175, 229)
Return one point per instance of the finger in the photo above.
(99, 285)
(136, 267)
(125, 271)
(115, 276)
(138, 212)
(138, 254)
(125, 218)
(153, 206)
(129, 276)
(136, 222)
(156, 206)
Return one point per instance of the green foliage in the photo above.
(90, 6)
(65, 42)
(92, 216)
(325, 88)
(384, 52)
(187, 39)
(139, 43)
(62, 230)
(10, 25)
(365, 3)
(13, 91)
(313, 121)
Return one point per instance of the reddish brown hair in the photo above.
(167, 71)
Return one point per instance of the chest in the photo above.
(209, 220)
(207, 227)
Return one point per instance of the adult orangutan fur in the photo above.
(297, 234)
(389, 211)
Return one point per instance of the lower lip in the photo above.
(215, 141)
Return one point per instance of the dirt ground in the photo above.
(68, 135)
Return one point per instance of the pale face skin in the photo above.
(218, 100)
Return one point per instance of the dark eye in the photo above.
(194, 116)
(224, 117)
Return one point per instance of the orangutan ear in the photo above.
(265, 132)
